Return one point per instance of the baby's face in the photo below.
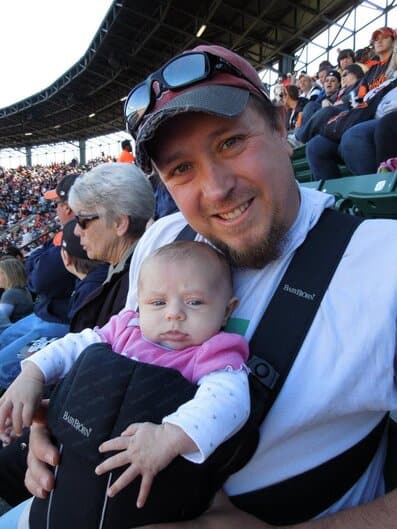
(181, 303)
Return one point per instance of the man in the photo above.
(126, 155)
(308, 88)
(53, 286)
(220, 147)
(331, 87)
(324, 99)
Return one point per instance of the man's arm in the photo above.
(381, 513)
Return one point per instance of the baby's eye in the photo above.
(195, 302)
(157, 302)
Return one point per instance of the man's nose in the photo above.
(217, 180)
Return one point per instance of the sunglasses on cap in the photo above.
(180, 72)
(83, 220)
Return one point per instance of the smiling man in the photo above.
(204, 123)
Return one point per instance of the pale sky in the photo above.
(41, 39)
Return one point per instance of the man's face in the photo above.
(232, 179)
(63, 211)
(331, 85)
(305, 84)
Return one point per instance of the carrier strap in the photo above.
(304, 496)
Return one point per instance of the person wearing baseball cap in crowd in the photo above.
(325, 99)
(314, 119)
(52, 285)
(331, 88)
(205, 125)
(382, 40)
(59, 195)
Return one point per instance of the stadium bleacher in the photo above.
(301, 166)
(370, 196)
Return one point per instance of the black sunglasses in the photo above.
(181, 71)
(83, 220)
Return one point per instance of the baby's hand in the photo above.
(147, 448)
(8, 436)
(21, 399)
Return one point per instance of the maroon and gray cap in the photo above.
(222, 95)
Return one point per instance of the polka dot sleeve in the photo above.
(220, 407)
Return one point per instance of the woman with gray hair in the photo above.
(112, 203)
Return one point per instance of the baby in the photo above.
(185, 297)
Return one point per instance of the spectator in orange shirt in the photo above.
(126, 155)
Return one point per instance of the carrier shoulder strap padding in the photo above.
(290, 313)
(104, 393)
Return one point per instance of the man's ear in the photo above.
(232, 304)
(66, 258)
(281, 129)
(68, 209)
(122, 224)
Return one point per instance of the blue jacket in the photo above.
(85, 286)
(51, 282)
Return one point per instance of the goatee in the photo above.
(264, 253)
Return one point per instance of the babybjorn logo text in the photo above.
(299, 292)
(76, 424)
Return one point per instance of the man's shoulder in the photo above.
(374, 240)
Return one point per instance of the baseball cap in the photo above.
(70, 241)
(334, 73)
(387, 32)
(224, 95)
(62, 189)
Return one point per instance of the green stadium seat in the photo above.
(371, 196)
(299, 152)
(301, 166)
(373, 205)
(371, 183)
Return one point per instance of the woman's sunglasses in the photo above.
(181, 71)
(83, 220)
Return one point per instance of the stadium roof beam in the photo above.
(136, 37)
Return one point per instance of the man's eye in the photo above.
(230, 142)
(181, 168)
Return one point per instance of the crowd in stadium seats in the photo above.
(27, 219)
(345, 114)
